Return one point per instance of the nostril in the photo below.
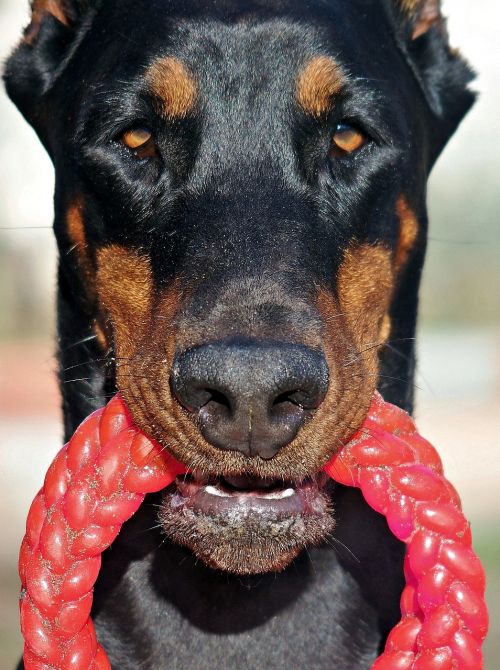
(217, 407)
(298, 397)
(287, 407)
(286, 412)
(288, 396)
(196, 398)
(217, 398)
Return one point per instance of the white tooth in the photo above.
(214, 491)
(273, 495)
(278, 495)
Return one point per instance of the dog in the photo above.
(240, 211)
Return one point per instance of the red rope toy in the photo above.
(99, 479)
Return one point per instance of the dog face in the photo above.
(240, 211)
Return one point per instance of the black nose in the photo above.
(249, 395)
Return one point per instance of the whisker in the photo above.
(79, 379)
(381, 376)
(332, 538)
(84, 340)
(87, 362)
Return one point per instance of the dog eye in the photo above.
(140, 141)
(347, 139)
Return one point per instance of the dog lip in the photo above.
(245, 495)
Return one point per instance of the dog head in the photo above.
(240, 212)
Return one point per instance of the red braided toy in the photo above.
(99, 479)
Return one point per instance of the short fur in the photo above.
(241, 223)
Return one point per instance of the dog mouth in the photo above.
(247, 524)
(246, 495)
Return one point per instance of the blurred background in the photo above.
(458, 382)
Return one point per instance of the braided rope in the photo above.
(95, 483)
(99, 479)
(444, 616)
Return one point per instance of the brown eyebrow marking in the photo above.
(408, 232)
(174, 86)
(320, 80)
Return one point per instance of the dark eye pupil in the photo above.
(343, 127)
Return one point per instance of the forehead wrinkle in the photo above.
(319, 81)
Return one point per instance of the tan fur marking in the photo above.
(365, 284)
(101, 337)
(75, 227)
(173, 85)
(408, 232)
(385, 328)
(356, 321)
(356, 327)
(125, 288)
(320, 80)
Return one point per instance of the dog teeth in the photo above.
(214, 491)
(279, 495)
(272, 495)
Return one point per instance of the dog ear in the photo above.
(64, 11)
(441, 71)
(45, 43)
(422, 14)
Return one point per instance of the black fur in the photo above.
(245, 173)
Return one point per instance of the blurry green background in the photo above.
(458, 384)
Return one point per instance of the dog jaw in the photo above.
(249, 532)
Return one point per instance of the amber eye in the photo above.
(346, 140)
(140, 141)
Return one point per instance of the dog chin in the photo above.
(246, 525)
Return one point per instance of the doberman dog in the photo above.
(241, 219)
